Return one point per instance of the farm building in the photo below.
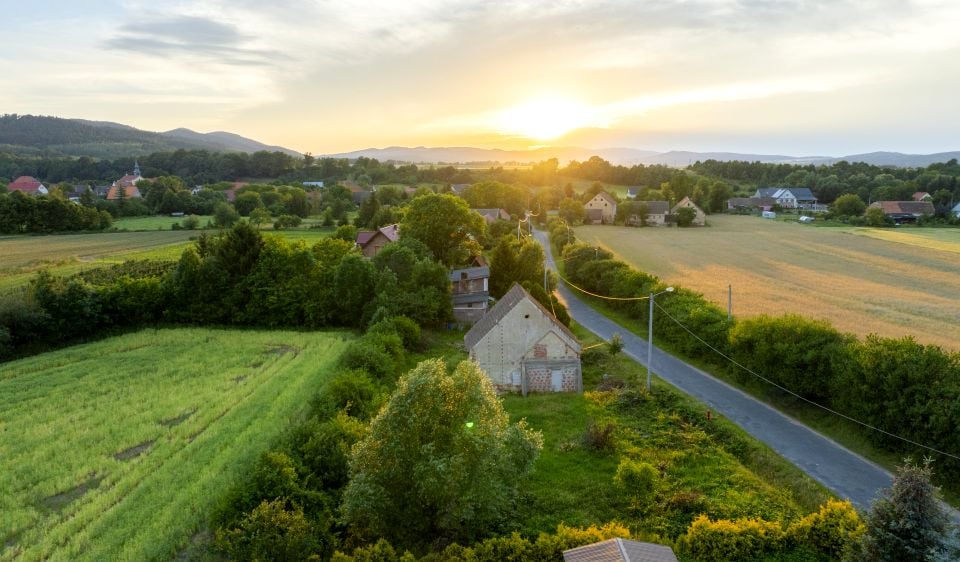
(521, 346)
(700, 219)
(657, 212)
(922, 196)
(606, 204)
(592, 216)
(371, 242)
(905, 211)
(470, 293)
(620, 550)
(28, 185)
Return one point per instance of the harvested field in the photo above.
(890, 282)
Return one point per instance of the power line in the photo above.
(584, 291)
(792, 393)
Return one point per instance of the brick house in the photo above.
(27, 184)
(522, 347)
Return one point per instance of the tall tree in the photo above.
(446, 226)
(441, 463)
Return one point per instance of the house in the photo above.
(657, 212)
(101, 191)
(127, 185)
(632, 192)
(458, 188)
(617, 550)
(699, 219)
(521, 346)
(905, 211)
(493, 215)
(789, 197)
(371, 242)
(470, 293)
(312, 184)
(358, 193)
(956, 210)
(28, 185)
(922, 196)
(606, 204)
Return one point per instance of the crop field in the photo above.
(64, 254)
(885, 281)
(117, 450)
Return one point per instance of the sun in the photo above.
(545, 118)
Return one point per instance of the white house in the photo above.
(956, 210)
(606, 204)
(521, 346)
(789, 197)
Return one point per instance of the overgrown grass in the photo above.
(117, 450)
(711, 467)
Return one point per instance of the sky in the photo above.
(786, 77)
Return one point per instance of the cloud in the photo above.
(194, 37)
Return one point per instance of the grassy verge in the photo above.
(117, 450)
(705, 466)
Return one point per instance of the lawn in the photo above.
(706, 467)
(891, 282)
(64, 254)
(161, 222)
(117, 450)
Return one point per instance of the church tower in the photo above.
(136, 169)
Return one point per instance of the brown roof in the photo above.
(620, 550)
(391, 231)
(500, 310)
(129, 192)
(921, 195)
(364, 236)
(916, 208)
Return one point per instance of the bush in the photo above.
(405, 328)
(191, 222)
(352, 392)
(800, 354)
(287, 221)
(599, 436)
(274, 532)
(637, 479)
(827, 531)
(723, 540)
(323, 448)
(375, 353)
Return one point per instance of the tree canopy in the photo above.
(446, 226)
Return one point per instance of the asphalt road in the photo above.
(845, 473)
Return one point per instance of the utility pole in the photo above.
(729, 302)
(650, 334)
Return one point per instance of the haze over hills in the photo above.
(53, 136)
(628, 156)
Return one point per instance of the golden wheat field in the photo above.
(885, 281)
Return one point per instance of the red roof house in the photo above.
(372, 241)
(27, 184)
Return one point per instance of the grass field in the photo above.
(63, 254)
(117, 450)
(890, 282)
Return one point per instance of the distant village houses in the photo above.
(493, 215)
(791, 197)
(126, 187)
(28, 185)
(470, 293)
(902, 212)
(700, 219)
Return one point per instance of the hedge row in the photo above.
(897, 385)
(235, 278)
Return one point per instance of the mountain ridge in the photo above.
(35, 135)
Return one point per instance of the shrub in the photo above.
(637, 479)
(405, 328)
(827, 531)
(352, 392)
(615, 345)
(323, 448)
(274, 532)
(287, 221)
(723, 540)
(191, 222)
(599, 436)
(373, 353)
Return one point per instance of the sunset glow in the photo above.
(546, 118)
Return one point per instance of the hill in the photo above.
(627, 156)
(34, 135)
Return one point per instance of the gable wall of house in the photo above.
(524, 332)
(376, 243)
(608, 209)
